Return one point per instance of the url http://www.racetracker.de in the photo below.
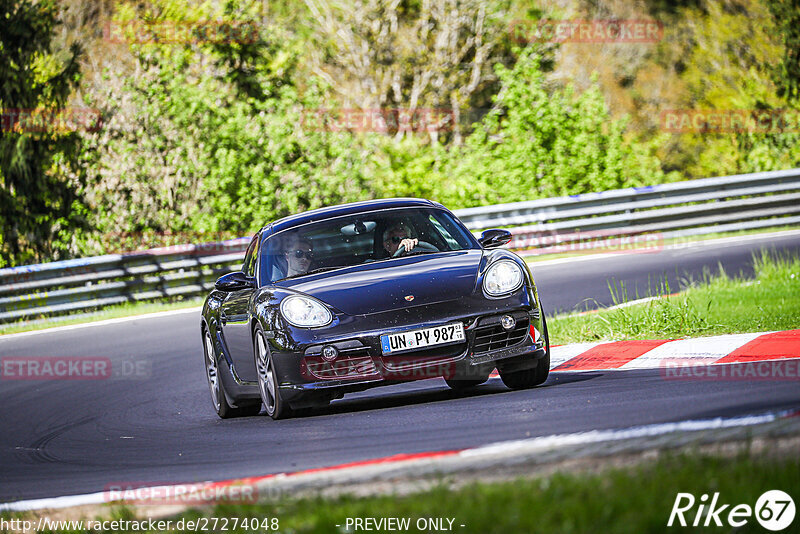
(201, 524)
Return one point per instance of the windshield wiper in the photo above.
(323, 269)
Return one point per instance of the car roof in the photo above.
(346, 209)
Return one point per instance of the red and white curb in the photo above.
(664, 353)
(620, 355)
(397, 466)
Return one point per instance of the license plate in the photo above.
(424, 337)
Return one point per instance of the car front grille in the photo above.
(490, 334)
(422, 357)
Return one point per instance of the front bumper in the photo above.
(361, 364)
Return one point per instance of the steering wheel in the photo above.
(421, 245)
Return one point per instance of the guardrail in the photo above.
(50, 289)
(623, 217)
(617, 219)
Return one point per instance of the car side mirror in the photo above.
(234, 282)
(494, 238)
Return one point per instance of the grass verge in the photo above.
(635, 498)
(719, 304)
(111, 312)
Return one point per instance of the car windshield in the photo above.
(361, 238)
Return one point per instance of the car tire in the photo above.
(217, 389)
(276, 407)
(529, 378)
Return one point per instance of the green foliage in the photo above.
(620, 495)
(37, 201)
(214, 138)
(735, 55)
(208, 137)
(719, 304)
(787, 72)
(540, 142)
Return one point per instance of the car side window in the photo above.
(251, 270)
(249, 264)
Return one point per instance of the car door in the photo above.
(235, 318)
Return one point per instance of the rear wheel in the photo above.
(276, 407)
(218, 399)
(529, 378)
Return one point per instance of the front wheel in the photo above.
(469, 378)
(218, 399)
(463, 384)
(529, 378)
(276, 407)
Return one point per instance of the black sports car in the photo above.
(345, 298)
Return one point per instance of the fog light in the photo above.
(507, 322)
(329, 353)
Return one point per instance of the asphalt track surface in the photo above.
(72, 437)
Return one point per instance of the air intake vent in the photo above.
(490, 334)
(352, 362)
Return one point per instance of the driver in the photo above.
(298, 253)
(398, 235)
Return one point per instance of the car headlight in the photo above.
(502, 277)
(305, 312)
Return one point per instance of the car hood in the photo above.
(389, 285)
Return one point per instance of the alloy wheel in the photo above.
(266, 376)
(212, 372)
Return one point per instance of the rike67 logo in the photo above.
(774, 510)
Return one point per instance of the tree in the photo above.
(736, 58)
(540, 142)
(39, 205)
(206, 136)
(431, 55)
(787, 17)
